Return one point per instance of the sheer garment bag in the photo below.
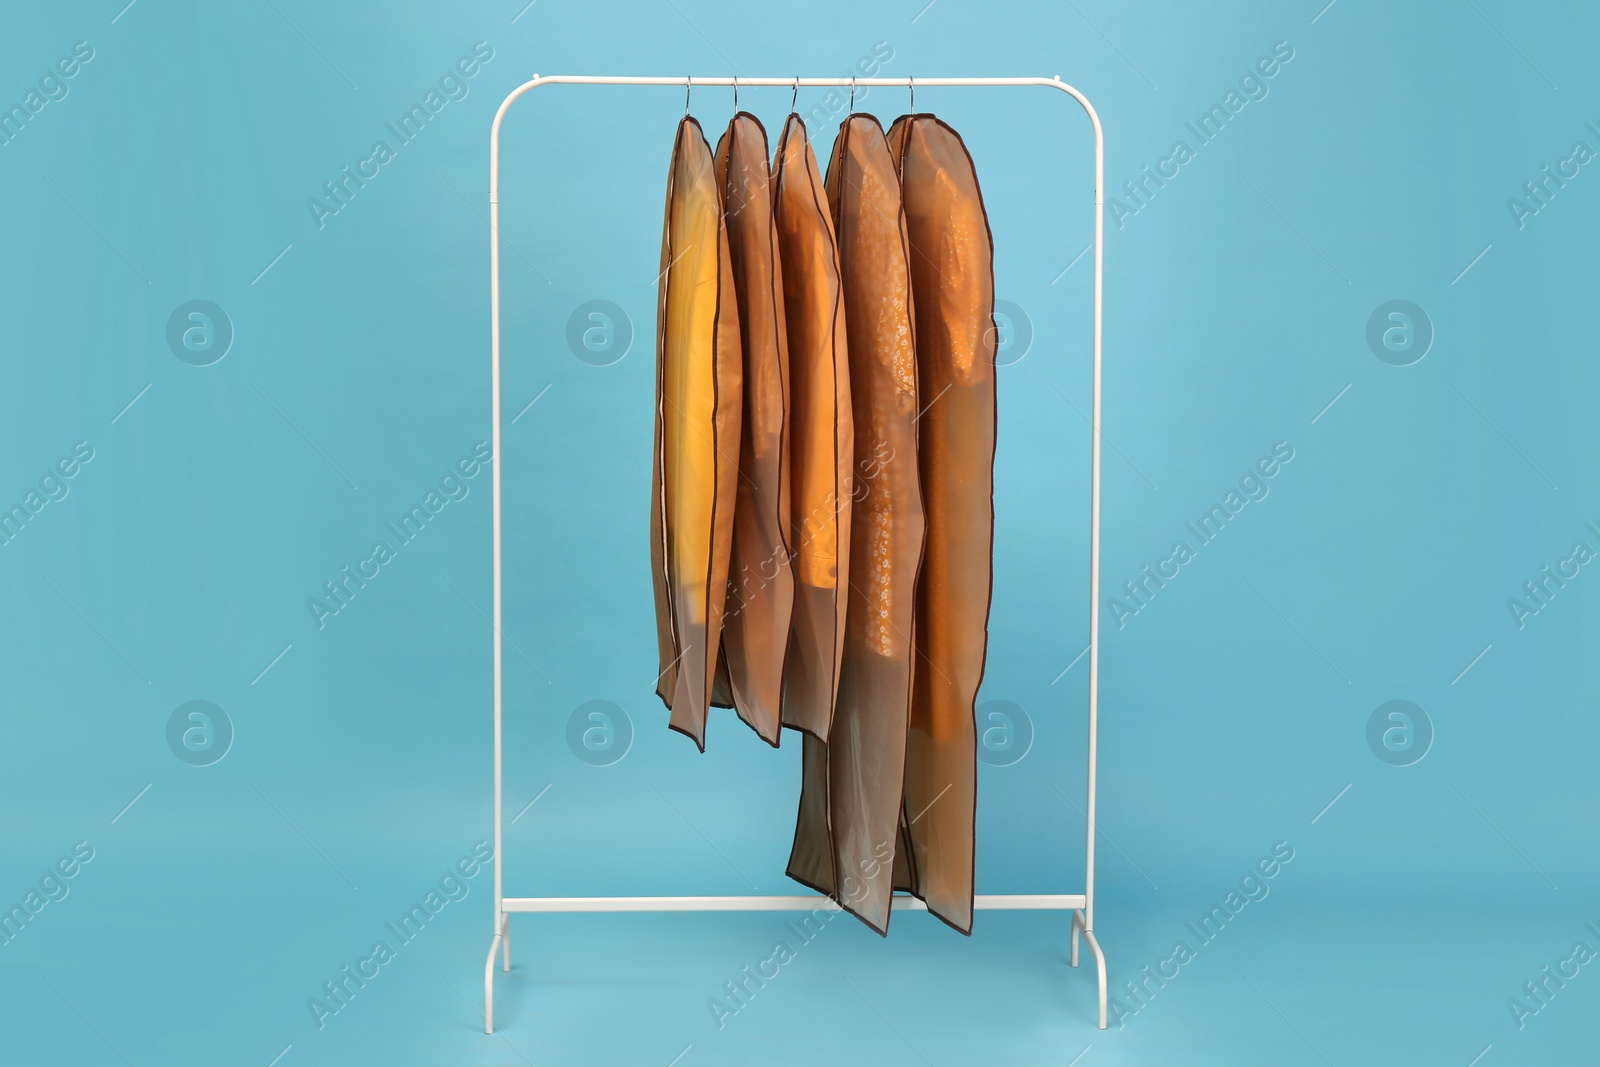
(952, 282)
(755, 627)
(698, 404)
(821, 443)
(858, 773)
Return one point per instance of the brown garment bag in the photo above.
(755, 624)
(821, 441)
(952, 280)
(856, 779)
(698, 403)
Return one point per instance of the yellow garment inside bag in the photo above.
(698, 407)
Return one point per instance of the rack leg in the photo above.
(1100, 966)
(488, 986)
(505, 942)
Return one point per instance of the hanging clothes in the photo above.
(698, 405)
(858, 774)
(822, 521)
(755, 629)
(821, 435)
(952, 281)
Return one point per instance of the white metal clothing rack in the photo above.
(1081, 905)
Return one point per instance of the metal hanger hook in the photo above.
(911, 83)
(794, 97)
(687, 82)
(852, 94)
(736, 92)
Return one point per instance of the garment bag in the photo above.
(820, 443)
(698, 403)
(755, 626)
(860, 769)
(952, 281)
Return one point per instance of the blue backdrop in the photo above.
(1349, 507)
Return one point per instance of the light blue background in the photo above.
(1234, 706)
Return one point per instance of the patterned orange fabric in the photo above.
(852, 784)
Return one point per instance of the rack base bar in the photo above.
(501, 945)
(805, 902)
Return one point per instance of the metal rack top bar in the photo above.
(728, 80)
(691, 80)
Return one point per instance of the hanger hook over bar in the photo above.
(794, 97)
(911, 83)
(687, 82)
(852, 94)
(736, 92)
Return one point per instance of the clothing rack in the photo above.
(1081, 905)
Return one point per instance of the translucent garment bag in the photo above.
(952, 281)
(853, 783)
(698, 404)
(755, 625)
(821, 437)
